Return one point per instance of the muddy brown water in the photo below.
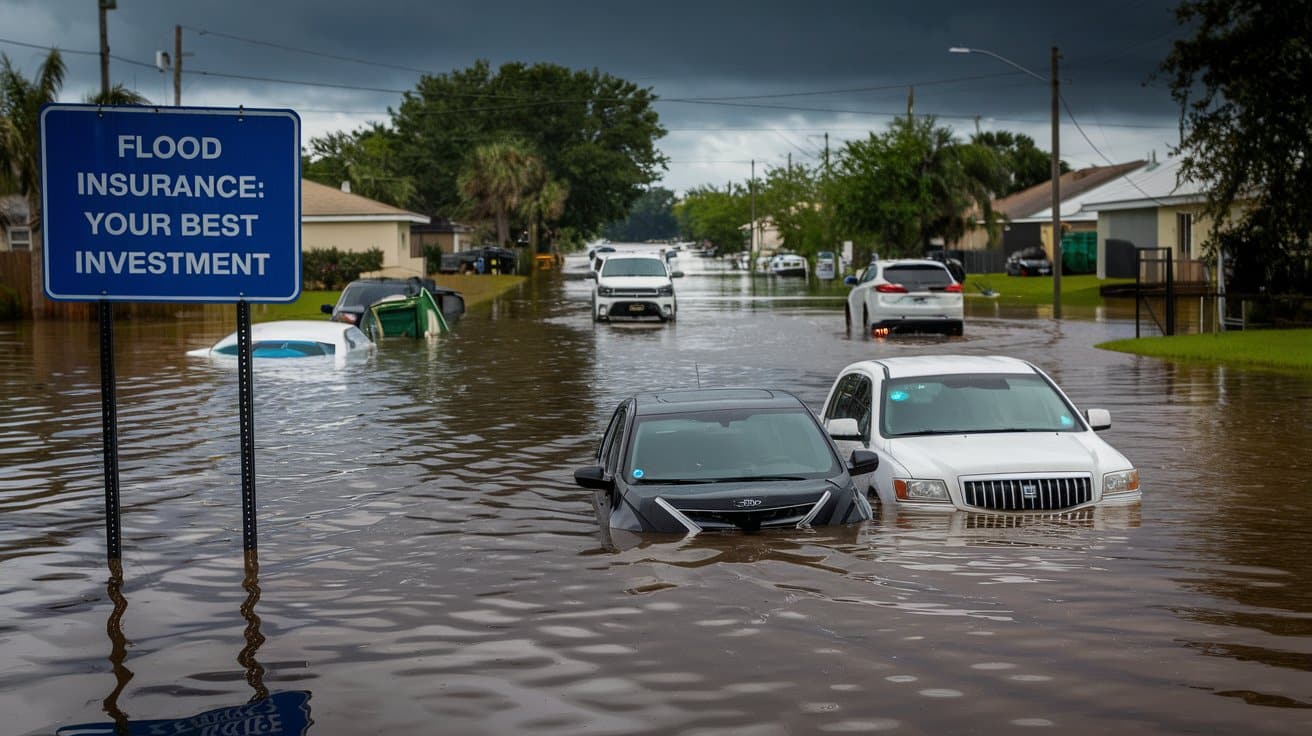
(427, 565)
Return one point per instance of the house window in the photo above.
(20, 238)
(1184, 235)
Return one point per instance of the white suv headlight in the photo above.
(1122, 481)
(911, 489)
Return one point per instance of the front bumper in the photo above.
(635, 309)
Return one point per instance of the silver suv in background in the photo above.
(634, 287)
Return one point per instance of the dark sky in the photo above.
(795, 70)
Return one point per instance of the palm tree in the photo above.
(543, 206)
(20, 148)
(117, 95)
(495, 179)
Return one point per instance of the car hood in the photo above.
(634, 282)
(953, 455)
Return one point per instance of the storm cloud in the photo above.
(738, 82)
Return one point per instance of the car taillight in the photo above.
(891, 289)
(953, 289)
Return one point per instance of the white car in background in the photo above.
(635, 287)
(967, 433)
(906, 295)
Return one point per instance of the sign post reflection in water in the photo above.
(277, 714)
(174, 205)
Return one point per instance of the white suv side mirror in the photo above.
(845, 428)
(1098, 418)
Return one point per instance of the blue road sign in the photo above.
(181, 204)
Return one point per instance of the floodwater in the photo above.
(426, 564)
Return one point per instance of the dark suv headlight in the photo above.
(666, 291)
(604, 291)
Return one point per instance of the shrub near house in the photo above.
(331, 269)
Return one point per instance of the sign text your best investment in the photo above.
(165, 224)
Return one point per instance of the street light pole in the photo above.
(1056, 162)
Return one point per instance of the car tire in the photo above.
(847, 318)
(865, 321)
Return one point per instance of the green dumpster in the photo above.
(1079, 252)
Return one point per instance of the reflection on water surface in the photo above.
(427, 562)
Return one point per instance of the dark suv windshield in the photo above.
(919, 277)
(360, 294)
(719, 445)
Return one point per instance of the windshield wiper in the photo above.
(677, 481)
(925, 432)
(745, 478)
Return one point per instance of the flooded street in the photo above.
(426, 563)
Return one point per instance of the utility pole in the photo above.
(105, 7)
(751, 265)
(911, 103)
(177, 66)
(826, 154)
(1056, 189)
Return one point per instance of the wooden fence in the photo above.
(16, 275)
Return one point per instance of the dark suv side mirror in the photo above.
(594, 477)
(850, 281)
(862, 462)
(326, 308)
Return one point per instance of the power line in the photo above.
(284, 47)
(1071, 114)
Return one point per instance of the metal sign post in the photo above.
(199, 205)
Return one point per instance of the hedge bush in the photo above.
(332, 269)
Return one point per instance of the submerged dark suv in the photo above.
(360, 294)
(687, 461)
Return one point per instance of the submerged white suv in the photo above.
(635, 287)
(907, 295)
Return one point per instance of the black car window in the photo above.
(851, 400)
(919, 277)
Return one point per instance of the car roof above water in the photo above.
(678, 401)
(930, 365)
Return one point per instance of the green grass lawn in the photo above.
(1284, 349)
(476, 290)
(1076, 290)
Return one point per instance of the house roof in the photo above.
(1073, 208)
(1156, 185)
(1027, 202)
(321, 203)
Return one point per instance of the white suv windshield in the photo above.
(633, 267)
(731, 444)
(988, 402)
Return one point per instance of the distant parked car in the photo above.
(1031, 261)
(906, 295)
(975, 433)
(687, 461)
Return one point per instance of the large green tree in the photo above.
(791, 197)
(595, 134)
(911, 184)
(1026, 164)
(716, 216)
(651, 218)
(366, 158)
(1244, 84)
